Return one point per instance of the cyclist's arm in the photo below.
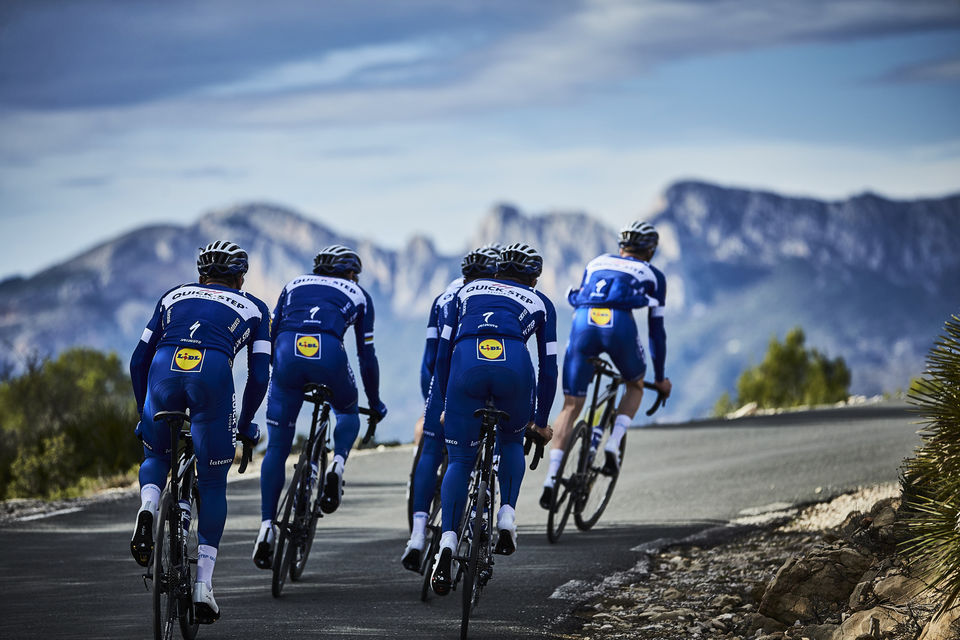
(258, 370)
(143, 356)
(277, 315)
(450, 314)
(573, 294)
(656, 330)
(547, 364)
(429, 360)
(366, 354)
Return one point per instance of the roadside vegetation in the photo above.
(931, 479)
(790, 375)
(66, 426)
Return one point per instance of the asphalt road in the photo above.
(71, 575)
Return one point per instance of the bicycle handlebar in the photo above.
(661, 399)
(372, 420)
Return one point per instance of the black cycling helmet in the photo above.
(336, 260)
(520, 258)
(639, 236)
(480, 262)
(221, 259)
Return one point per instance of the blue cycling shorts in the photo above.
(595, 331)
(509, 380)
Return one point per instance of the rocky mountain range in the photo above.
(868, 278)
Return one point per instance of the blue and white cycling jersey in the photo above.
(612, 286)
(433, 335)
(620, 282)
(197, 317)
(488, 310)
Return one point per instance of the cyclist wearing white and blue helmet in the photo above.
(183, 361)
(612, 286)
(483, 355)
(479, 263)
(309, 322)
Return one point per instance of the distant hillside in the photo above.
(869, 279)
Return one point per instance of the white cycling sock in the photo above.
(338, 464)
(150, 498)
(449, 540)
(206, 559)
(419, 524)
(556, 456)
(506, 518)
(619, 428)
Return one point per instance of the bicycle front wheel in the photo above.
(166, 582)
(286, 530)
(566, 487)
(597, 486)
(307, 516)
(471, 577)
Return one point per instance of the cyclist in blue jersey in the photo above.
(479, 263)
(309, 322)
(482, 355)
(183, 361)
(612, 286)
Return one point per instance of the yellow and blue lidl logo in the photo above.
(491, 349)
(308, 346)
(601, 317)
(186, 359)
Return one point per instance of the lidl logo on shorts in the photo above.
(186, 359)
(491, 349)
(601, 317)
(308, 346)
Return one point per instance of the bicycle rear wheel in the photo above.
(188, 623)
(471, 577)
(286, 529)
(166, 582)
(597, 487)
(567, 483)
(430, 550)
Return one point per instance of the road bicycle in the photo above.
(299, 509)
(582, 486)
(474, 555)
(172, 567)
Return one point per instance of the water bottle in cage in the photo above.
(185, 516)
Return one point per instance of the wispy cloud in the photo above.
(944, 70)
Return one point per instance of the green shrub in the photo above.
(66, 420)
(931, 479)
(789, 376)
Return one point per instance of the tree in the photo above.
(790, 375)
(63, 420)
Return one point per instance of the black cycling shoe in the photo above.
(411, 559)
(141, 545)
(441, 581)
(611, 463)
(546, 498)
(506, 543)
(332, 492)
(263, 556)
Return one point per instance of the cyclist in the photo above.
(183, 361)
(309, 322)
(483, 354)
(612, 286)
(479, 263)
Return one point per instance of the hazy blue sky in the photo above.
(389, 118)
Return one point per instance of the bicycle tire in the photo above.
(471, 576)
(165, 581)
(413, 472)
(567, 488)
(281, 557)
(310, 497)
(426, 564)
(597, 487)
(189, 626)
